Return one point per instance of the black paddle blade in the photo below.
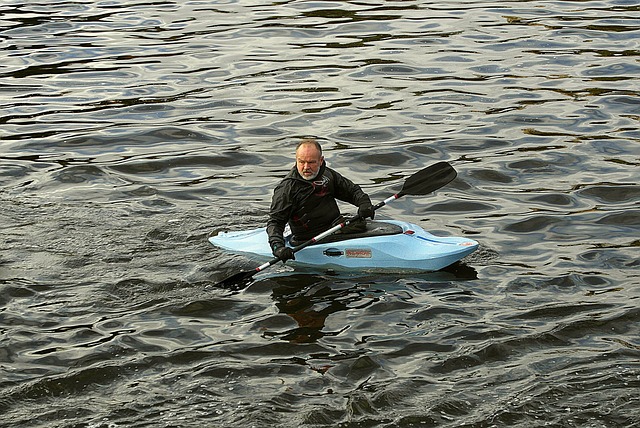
(429, 179)
(237, 281)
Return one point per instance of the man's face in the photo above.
(308, 161)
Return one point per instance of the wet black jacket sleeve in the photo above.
(279, 213)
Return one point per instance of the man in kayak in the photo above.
(306, 199)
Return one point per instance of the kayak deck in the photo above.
(387, 245)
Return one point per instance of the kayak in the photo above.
(386, 245)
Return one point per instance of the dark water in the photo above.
(131, 130)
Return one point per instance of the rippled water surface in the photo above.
(131, 130)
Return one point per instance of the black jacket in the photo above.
(310, 207)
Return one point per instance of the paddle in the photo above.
(422, 182)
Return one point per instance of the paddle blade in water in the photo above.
(237, 281)
(429, 179)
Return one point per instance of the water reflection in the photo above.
(311, 306)
(309, 299)
(130, 131)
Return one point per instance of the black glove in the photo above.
(284, 253)
(366, 210)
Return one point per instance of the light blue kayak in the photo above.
(387, 245)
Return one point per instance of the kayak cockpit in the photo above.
(374, 228)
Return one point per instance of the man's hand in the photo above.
(366, 210)
(284, 253)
